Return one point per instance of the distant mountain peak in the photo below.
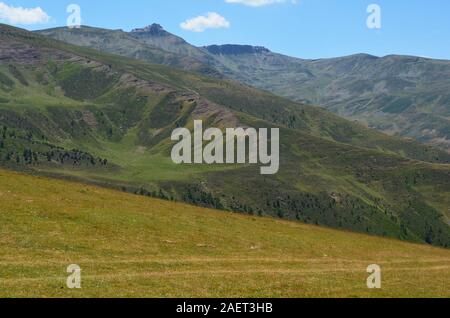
(235, 49)
(153, 29)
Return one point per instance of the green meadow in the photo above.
(128, 245)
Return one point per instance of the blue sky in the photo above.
(302, 28)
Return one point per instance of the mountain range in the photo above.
(87, 114)
(399, 95)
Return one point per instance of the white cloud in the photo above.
(211, 20)
(20, 15)
(260, 3)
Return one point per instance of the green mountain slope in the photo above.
(130, 246)
(78, 113)
(400, 95)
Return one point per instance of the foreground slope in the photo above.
(130, 245)
(76, 112)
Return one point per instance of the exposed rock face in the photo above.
(154, 29)
(233, 49)
(11, 51)
(222, 117)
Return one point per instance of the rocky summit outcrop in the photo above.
(153, 29)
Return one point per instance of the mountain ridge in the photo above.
(399, 95)
(76, 112)
(123, 43)
(235, 49)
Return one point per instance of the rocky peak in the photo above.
(154, 29)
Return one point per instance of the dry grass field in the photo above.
(132, 246)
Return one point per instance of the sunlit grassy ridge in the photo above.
(130, 245)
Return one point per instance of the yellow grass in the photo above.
(131, 246)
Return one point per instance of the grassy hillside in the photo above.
(230, 94)
(79, 113)
(130, 245)
(400, 95)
